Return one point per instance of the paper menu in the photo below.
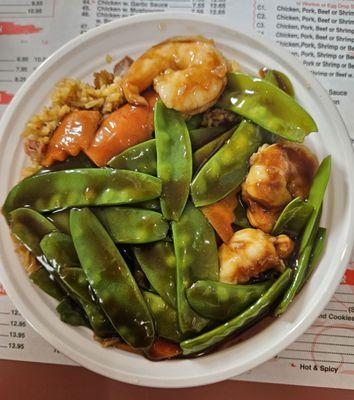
(321, 34)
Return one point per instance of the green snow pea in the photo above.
(317, 250)
(59, 250)
(132, 225)
(165, 317)
(197, 259)
(267, 106)
(301, 268)
(29, 227)
(200, 137)
(223, 301)
(225, 170)
(245, 319)
(158, 262)
(315, 198)
(204, 152)
(280, 80)
(140, 158)
(78, 162)
(293, 218)
(80, 187)
(194, 122)
(153, 205)
(111, 279)
(240, 213)
(174, 160)
(71, 313)
(45, 281)
(75, 279)
(61, 220)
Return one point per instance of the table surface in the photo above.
(25, 380)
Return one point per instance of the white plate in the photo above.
(85, 54)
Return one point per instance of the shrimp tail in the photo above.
(132, 94)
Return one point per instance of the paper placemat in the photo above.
(321, 34)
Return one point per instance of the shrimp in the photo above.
(278, 173)
(188, 73)
(250, 252)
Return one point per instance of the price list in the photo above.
(321, 34)
(99, 12)
(18, 341)
(26, 9)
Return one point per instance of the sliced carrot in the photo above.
(221, 215)
(75, 133)
(123, 128)
(163, 349)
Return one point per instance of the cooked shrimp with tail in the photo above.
(188, 73)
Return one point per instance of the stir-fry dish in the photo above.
(172, 203)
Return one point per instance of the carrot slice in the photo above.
(221, 215)
(75, 133)
(163, 349)
(123, 128)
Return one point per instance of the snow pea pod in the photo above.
(317, 250)
(250, 315)
(267, 106)
(132, 225)
(153, 205)
(240, 213)
(301, 269)
(111, 280)
(194, 122)
(75, 279)
(165, 317)
(315, 198)
(223, 301)
(29, 227)
(140, 158)
(204, 152)
(225, 170)
(46, 282)
(79, 187)
(71, 313)
(78, 162)
(197, 259)
(174, 160)
(61, 220)
(158, 262)
(200, 137)
(298, 280)
(280, 80)
(293, 218)
(59, 250)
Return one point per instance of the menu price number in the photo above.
(39, 59)
(351, 309)
(217, 7)
(16, 346)
(198, 7)
(18, 335)
(18, 323)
